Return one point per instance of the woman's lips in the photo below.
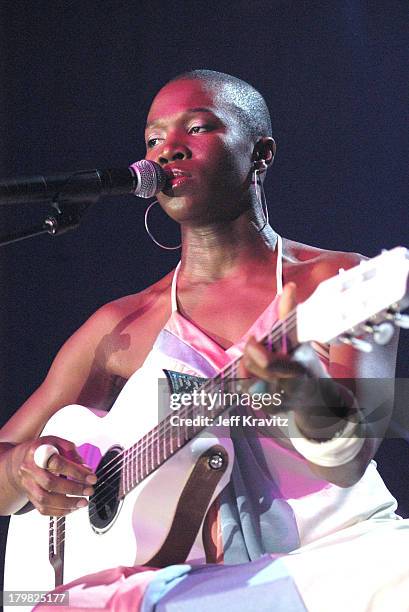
(176, 179)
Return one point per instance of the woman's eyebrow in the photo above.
(197, 109)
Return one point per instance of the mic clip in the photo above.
(66, 217)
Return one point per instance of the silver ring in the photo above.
(43, 454)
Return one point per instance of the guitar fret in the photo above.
(171, 443)
(146, 454)
(152, 453)
(154, 445)
(137, 465)
(127, 471)
(178, 437)
(190, 429)
(149, 451)
(185, 430)
(143, 458)
(140, 464)
(147, 448)
(130, 460)
(135, 459)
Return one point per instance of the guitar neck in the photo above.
(166, 439)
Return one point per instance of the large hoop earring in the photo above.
(151, 236)
(261, 197)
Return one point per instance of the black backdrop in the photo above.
(76, 82)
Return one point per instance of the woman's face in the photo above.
(196, 137)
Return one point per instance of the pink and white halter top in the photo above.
(273, 503)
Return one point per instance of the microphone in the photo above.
(143, 178)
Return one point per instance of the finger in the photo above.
(279, 367)
(253, 352)
(55, 484)
(288, 300)
(257, 353)
(58, 464)
(66, 448)
(54, 504)
(257, 359)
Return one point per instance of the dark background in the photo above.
(77, 79)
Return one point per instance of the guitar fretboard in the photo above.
(164, 440)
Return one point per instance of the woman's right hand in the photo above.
(58, 489)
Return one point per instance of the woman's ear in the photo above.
(264, 152)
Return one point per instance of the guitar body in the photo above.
(140, 524)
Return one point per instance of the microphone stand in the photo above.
(64, 217)
(69, 202)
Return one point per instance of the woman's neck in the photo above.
(220, 250)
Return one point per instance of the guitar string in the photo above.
(144, 443)
(62, 531)
(140, 449)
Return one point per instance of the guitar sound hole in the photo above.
(103, 505)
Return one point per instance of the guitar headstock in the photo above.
(358, 300)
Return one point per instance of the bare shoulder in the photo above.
(137, 305)
(321, 257)
(308, 265)
(123, 331)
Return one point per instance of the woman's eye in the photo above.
(152, 142)
(197, 128)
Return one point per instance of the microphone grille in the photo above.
(151, 178)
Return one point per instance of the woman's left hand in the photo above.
(300, 378)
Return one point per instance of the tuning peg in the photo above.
(382, 332)
(357, 343)
(401, 320)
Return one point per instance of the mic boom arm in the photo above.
(72, 194)
(88, 185)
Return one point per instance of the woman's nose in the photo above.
(173, 152)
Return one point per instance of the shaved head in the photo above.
(246, 102)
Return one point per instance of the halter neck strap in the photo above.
(279, 266)
(173, 296)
